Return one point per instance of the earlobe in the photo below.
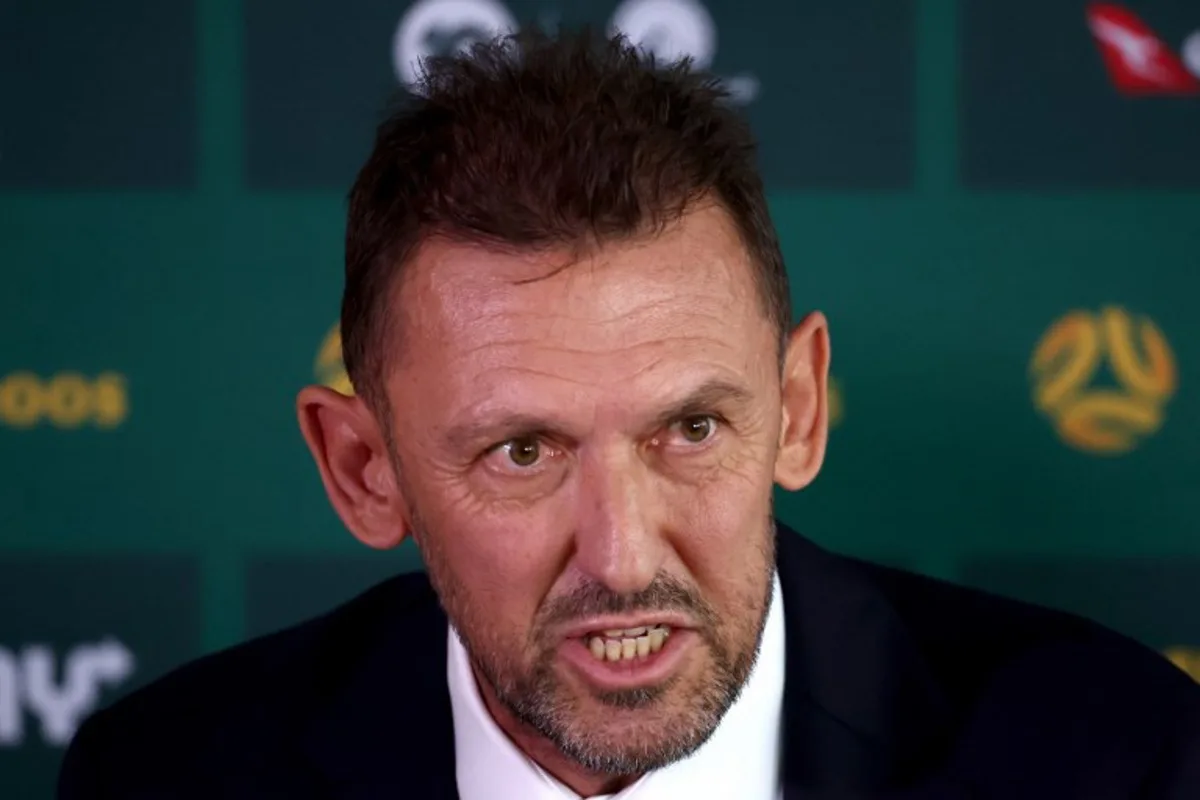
(355, 467)
(805, 404)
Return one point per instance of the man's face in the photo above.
(587, 451)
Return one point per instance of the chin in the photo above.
(633, 742)
(646, 714)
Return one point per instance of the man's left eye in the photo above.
(695, 430)
(524, 452)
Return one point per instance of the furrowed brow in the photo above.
(477, 433)
(706, 398)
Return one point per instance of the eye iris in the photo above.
(524, 452)
(697, 429)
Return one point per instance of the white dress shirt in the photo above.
(739, 761)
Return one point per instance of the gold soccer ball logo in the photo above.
(1186, 658)
(837, 409)
(1098, 419)
(330, 370)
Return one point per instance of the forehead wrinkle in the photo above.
(707, 272)
(487, 298)
(577, 309)
(650, 301)
(593, 339)
(630, 355)
(661, 393)
(714, 250)
(474, 419)
(667, 306)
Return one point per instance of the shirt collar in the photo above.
(740, 759)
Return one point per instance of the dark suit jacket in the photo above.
(898, 686)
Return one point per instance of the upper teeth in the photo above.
(627, 643)
(622, 632)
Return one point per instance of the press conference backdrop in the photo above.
(996, 203)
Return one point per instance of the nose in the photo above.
(618, 538)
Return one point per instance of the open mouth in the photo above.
(620, 659)
(627, 644)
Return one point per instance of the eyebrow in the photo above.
(704, 399)
(491, 430)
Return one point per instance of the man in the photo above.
(567, 320)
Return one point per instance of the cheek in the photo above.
(721, 529)
(504, 563)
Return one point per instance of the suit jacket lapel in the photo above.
(386, 730)
(862, 713)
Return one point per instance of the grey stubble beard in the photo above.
(539, 701)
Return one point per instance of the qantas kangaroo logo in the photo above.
(1138, 61)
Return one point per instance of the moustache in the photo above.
(665, 593)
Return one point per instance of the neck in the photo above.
(545, 754)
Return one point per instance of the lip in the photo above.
(636, 673)
(676, 622)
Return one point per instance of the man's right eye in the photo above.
(521, 456)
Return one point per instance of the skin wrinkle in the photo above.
(584, 271)
(482, 409)
(624, 513)
(539, 341)
(572, 322)
(459, 433)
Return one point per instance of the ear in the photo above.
(355, 466)
(805, 404)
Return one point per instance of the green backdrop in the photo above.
(1007, 248)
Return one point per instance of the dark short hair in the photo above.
(534, 141)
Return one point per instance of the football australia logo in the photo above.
(1068, 371)
(836, 404)
(1186, 658)
(330, 370)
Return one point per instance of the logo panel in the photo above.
(98, 95)
(284, 590)
(1081, 95)
(1149, 599)
(76, 633)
